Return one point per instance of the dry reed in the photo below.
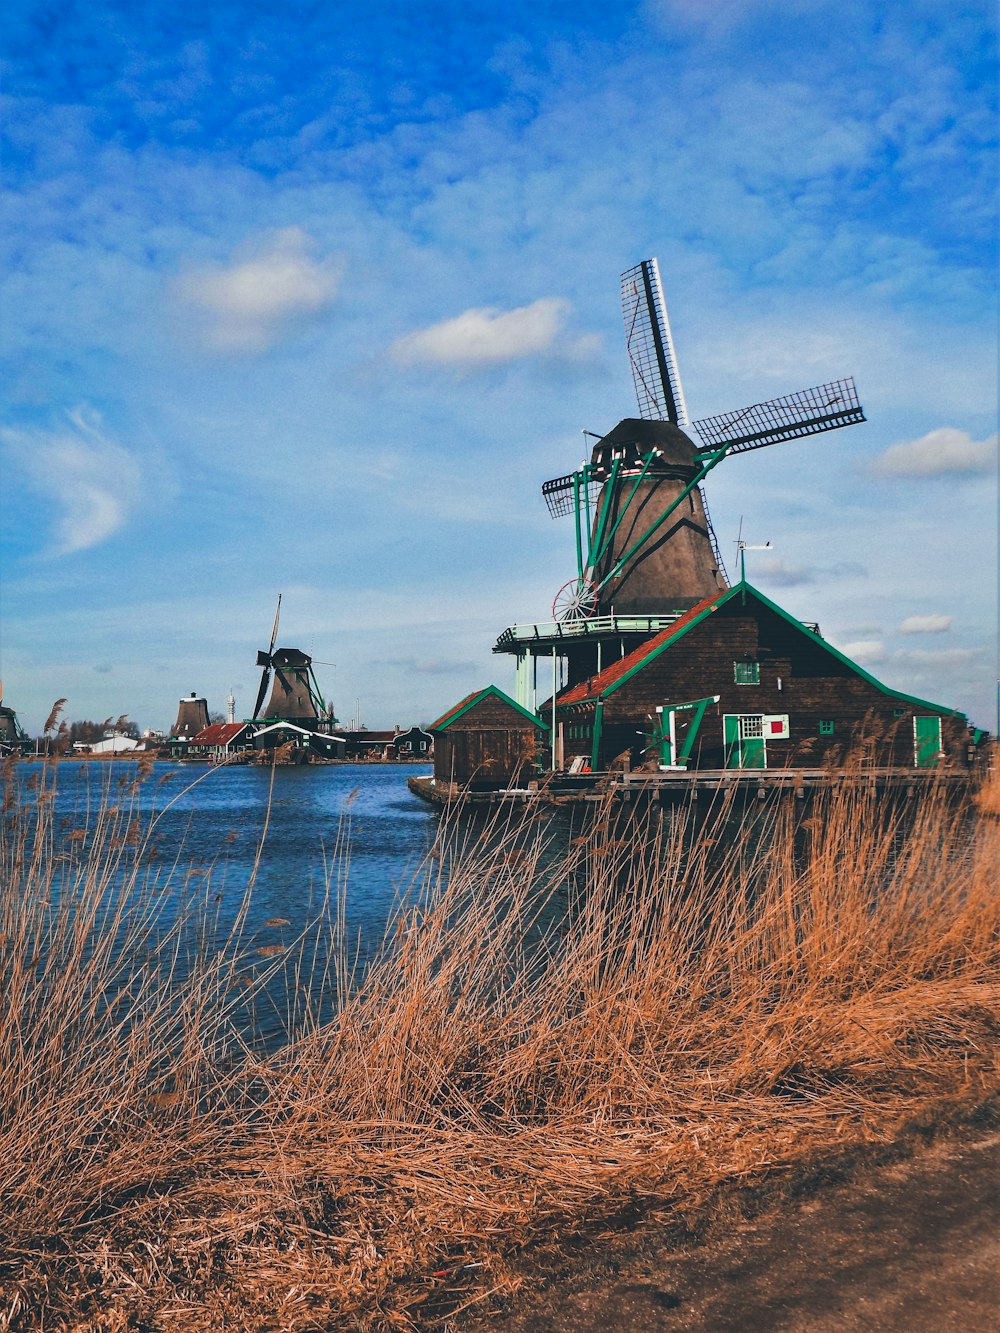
(549, 1036)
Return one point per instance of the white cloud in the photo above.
(249, 305)
(93, 482)
(866, 652)
(486, 336)
(931, 624)
(780, 573)
(939, 657)
(938, 453)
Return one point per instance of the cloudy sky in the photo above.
(310, 298)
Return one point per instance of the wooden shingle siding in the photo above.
(815, 685)
(489, 743)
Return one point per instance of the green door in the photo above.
(731, 739)
(926, 741)
(743, 734)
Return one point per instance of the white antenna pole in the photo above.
(231, 707)
(743, 548)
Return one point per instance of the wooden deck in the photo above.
(703, 784)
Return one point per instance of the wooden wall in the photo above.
(489, 747)
(814, 686)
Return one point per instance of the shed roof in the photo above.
(470, 701)
(615, 675)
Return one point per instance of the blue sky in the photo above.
(310, 299)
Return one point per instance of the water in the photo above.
(214, 821)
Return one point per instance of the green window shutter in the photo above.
(746, 673)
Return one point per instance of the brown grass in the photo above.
(547, 1040)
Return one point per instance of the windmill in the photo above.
(13, 739)
(295, 693)
(644, 541)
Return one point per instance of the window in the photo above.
(751, 728)
(826, 728)
(746, 673)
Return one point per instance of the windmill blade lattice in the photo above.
(808, 412)
(560, 494)
(651, 346)
(265, 660)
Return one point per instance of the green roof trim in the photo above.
(842, 657)
(662, 648)
(742, 588)
(444, 722)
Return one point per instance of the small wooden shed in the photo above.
(487, 742)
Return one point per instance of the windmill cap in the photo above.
(642, 435)
(290, 657)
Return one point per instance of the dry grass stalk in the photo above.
(549, 1034)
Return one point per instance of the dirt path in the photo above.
(908, 1248)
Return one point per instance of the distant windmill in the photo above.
(295, 694)
(12, 736)
(644, 541)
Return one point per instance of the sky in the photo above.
(310, 299)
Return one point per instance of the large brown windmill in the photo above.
(645, 544)
(645, 549)
(295, 695)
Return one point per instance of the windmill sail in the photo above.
(651, 346)
(808, 412)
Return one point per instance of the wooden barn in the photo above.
(737, 682)
(487, 742)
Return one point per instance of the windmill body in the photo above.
(292, 698)
(192, 717)
(675, 564)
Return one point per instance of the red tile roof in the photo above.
(219, 733)
(594, 686)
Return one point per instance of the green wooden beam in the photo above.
(696, 480)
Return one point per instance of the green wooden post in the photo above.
(579, 534)
(595, 748)
(696, 480)
(684, 753)
(609, 491)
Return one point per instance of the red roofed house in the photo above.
(220, 741)
(736, 682)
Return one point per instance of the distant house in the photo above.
(412, 744)
(114, 744)
(487, 742)
(365, 744)
(221, 741)
(289, 733)
(388, 745)
(737, 682)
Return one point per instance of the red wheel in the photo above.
(575, 600)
